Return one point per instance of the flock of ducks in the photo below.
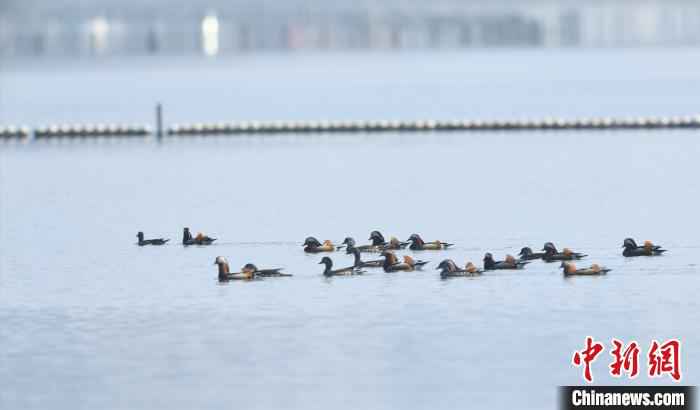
(389, 262)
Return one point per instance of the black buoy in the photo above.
(159, 121)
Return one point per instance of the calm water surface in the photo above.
(90, 320)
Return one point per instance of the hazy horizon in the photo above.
(36, 29)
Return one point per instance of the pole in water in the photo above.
(159, 121)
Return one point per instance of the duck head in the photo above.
(311, 242)
(549, 248)
(223, 265)
(568, 267)
(510, 259)
(326, 261)
(377, 238)
(447, 265)
(140, 236)
(249, 267)
(526, 251)
(415, 238)
(349, 245)
(470, 267)
(629, 243)
(488, 260)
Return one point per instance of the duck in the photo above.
(226, 275)
(552, 254)
(359, 263)
(378, 240)
(595, 269)
(350, 246)
(392, 264)
(329, 271)
(448, 269)
(509, 263)
(200, 239)
(418, 244)
(527, 254)
(312, 245)
(144, 242)
(649, 249)
(276, 272)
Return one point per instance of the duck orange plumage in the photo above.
(327, 245)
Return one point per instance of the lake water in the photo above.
(90, 320)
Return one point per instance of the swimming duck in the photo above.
(328, 271)
(595, 269)
(378, 240)
(200, 239)
(312, 245)
(144, 242)
(226, 275)
(649, 249)
(350, 247)
(276, 272)
(509, 263)
(552, 254)
(418, 244)
(392, 264)
(527, 254)
(359, 263)
(450, 269)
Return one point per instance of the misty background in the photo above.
(34, 29)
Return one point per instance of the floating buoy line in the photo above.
(13, 132)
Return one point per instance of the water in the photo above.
(90, 320)
(447, 85)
